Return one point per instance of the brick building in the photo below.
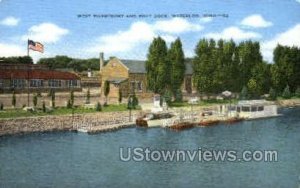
(129, 76)
(23, 77)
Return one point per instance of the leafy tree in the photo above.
(157, 66)
(17, 60)
(106, 91)
(133, 102)
(98, 107)
(88, 96)
(168, 96)
(35, 100)
(72, 98)
(286, 92)
(297, 93)
(53, 98)
(44, 107)
(178, 96)
(69, 104)
(13, 100)
(254, 88)
(244, 94)
(120, 96)
(177, 65)
(272, 94)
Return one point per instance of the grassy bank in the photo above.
(14, 113)
(208, 102)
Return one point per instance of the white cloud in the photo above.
(176, 25)
(291, 37)
(298, 1)
(7, 50)
(10, 21)
(233, 33)
(206, 19)
(140, 33)
(45, 33)
(256, 20)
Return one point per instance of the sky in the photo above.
(80, 29)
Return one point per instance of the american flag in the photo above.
(36, 46)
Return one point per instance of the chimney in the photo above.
(101, 58)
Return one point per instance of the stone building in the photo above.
(22, 78)
(129, 76)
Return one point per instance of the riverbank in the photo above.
(9, 126)
(93, 122)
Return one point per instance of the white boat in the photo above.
(253, 109)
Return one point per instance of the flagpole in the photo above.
(28, 91)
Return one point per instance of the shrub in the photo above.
(244, 94)
(98, 107)
(120, 96)
(297, 93)
(286, 92)
(35, 100)
(1, 106)
(178, 96)
(132, 102)
(272, 94)
(69, 104)
(44, 107)
(13, 100)
(168, 97)
(88, 96)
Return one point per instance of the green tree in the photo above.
(120, 96)
(297, 92)
(178, 96)
(13, 100)
(35, 100)
(244, 94)
(44, 107)
(254, 88)
(98, 107)
(177, 65)
(157, 66)
(168, 96)
(272, 94)
(88, 96)
(286, 92)
(53, 98)
(72, 98)
(106, 91)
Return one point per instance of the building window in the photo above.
(1, 83)
(139, 86)
(36, 83)
(260, 108)
(245, 108)
(54, 83)
(18, 83)
(71, 83)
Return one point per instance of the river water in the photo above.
(68, 159)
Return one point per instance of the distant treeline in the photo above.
(65, 62)
(16, 60)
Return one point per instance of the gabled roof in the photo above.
(138, 66)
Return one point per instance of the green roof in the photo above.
(138, 66)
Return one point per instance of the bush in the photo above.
(88, 96)
(13, 100)
(297, 93)
(244, 94)
(272, 94)
(286, 92)
(120, 97)
(98, 107)
(35, 100)
(44, 107)
(69, 104)
(178, 96)
(132, 102)
(1, 106)
(168, 97)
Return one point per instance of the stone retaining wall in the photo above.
(62, 123)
